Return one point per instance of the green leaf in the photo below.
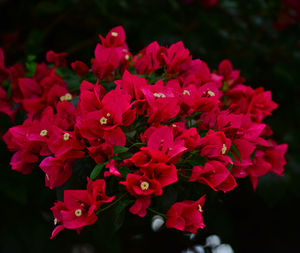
(30, 66)
(252, 155)
(236, 151)
(96, 171)
(196, 160)
(75, 100)
(31, 58)
(119, 213)
(125, 155)
(119, 149)
(124, 171)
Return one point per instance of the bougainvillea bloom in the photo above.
(186, 215)
(137, 127)
(215, 175)
(74, 212)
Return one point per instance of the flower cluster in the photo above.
(143, 122)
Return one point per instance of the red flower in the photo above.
(58, 59)
(175, 57)
(80, 67)
(147, 60)
(186, 216)
(215, 175)
(57, 171)
(65, 144)
(214, 144)
(230, 77)
(97, 195)
(113, 171)
(275, 156)
(141, 187)
(74, 212)
(4, 72)
(106, 61)
(161, 148)
(6, 106)
(114, 38)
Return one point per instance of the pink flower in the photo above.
(186, 216)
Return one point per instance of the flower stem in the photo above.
(112, 204)
(158, 213)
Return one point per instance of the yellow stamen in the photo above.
(159, 95)
(55, 221)
(211, 93)
(43, 132)
(114, 34)
(66, 136)
(127, 57)
(68, 97)
(186, 92)
(62, 98)
(224, 149)
(144, 185)
(103, 121)
(200, 208)
(78, 212)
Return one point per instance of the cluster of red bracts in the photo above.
(187, 111)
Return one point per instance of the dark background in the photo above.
(260, 37)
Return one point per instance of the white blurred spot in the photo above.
(188, 251)
(213, 241)
(199, 249)
(223, 248)
(157, 222)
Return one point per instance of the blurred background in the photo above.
(260, 37)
